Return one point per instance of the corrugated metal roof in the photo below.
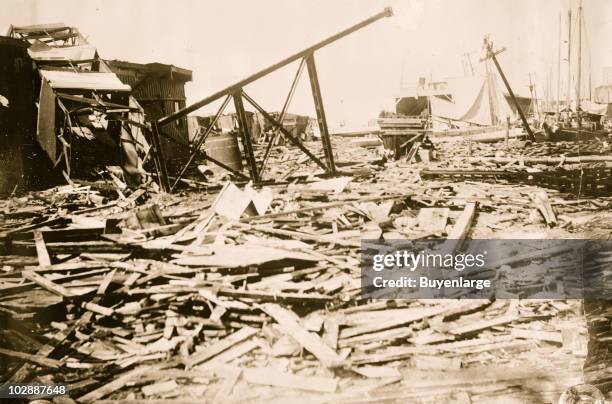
(84, 80)
(172, 72)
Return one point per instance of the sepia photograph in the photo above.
(306, 201)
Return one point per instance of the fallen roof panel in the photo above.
(84, 80)
(42, 52)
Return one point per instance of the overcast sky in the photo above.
(225, 40)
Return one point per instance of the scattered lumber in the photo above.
(163, 298)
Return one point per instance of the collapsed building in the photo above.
(84, 117)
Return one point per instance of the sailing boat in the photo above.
(472, 107)
(581, 118)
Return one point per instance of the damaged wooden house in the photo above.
(84, 118)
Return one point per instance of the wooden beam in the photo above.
(463, 223)
(41, 249)
(47, 284)
(312, 342)
(220, 346)
(37, 359)
(116, 384)
(272, 377)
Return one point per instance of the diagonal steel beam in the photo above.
(201, 140)
(296, 80)
(318, 100)
(387, 12)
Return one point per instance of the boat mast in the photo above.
(569, 58)
(559, 66)
(579, 74)
(549, 90)
(532, 106)
(535, 95)
(490, 93)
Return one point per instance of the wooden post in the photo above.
(162, 171)
(507, 130)
(491, 54)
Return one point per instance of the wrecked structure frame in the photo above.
(237, 93)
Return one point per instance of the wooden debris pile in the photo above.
(254, 294)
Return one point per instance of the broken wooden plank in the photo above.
(302, 236)
(66, 267)
(219, 346)
(541, 335)
(404, 316)
(464, 222)
(158, 388)
(331, 330)
(37, 359)
(326, 206)
(41, 249)
(483, 324)
(234, 256)
(275, 296)
(386, 335)
(117, 383)
(272, 377)
(96, 308)
(389, 355)
(308, 340)
(373, 372)
(50, 222)
(47, 284)
(540, 160)
(230, 354)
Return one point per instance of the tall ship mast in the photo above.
(581, 119)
